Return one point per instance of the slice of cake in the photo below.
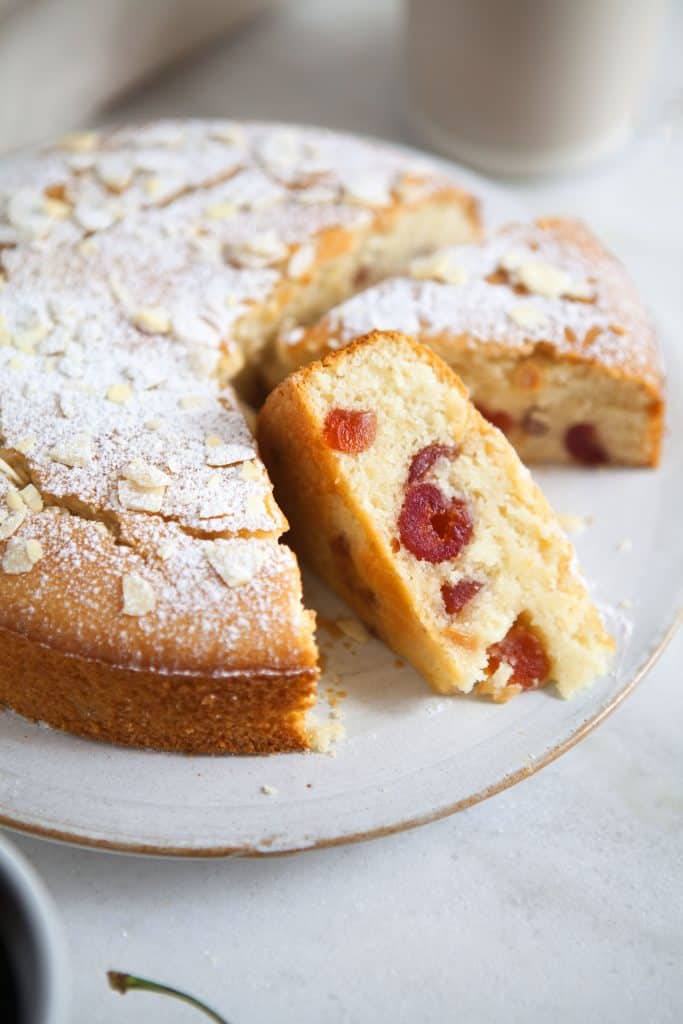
(420, 515)
(544, 327)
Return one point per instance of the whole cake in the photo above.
(144, 595)
(419, 513)
(545, 329)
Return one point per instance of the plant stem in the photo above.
(123, 983)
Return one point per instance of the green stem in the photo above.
(123, 983)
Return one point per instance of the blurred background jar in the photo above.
(530, 86)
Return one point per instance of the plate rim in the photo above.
(473, 180)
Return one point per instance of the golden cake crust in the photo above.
(144, 596)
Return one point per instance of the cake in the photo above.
(145, 596)
(544, 327)
(419, 514)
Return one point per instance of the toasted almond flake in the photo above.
(25, 445)
(220, 453)
(20, 555)
(95, 218)
(138, 595)
(525, 314)
(120, 393)
(115, 171)
(234, 562)
(250, 471)
(145, 475)
(194, 330)
(79, 142)
(220, 211)
(192, 402)
(11, 523)
(10, 473)
(34, 550)
(544, 279)
(167, 550)
(75, 453)
(155, 424)
(140, 499)
(32, 498)
(368, 191)
(15, 503)
(56, 208)
(152, 320)
(354, 629)
(301, 261)
(439, 267)
(153, 186)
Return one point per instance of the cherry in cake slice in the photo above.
(418, 512)
(543, 325)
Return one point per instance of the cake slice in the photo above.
(418, 512)
(544, 327)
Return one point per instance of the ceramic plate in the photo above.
(408, 757)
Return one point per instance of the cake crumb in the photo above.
(354, 629)
(268, 790)
(625, 545)
(625, 602)
(323, 735)
(574, 524)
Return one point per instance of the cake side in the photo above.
(435, 513)
(546, 330)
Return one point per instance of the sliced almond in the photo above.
(235, 562)
(138, 595)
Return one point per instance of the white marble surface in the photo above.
(560, 900)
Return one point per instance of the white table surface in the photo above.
(559, 900)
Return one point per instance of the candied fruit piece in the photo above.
(498, 417)
(423, 460)
(522, 649)
(431, 527)
(457, 595)
(350, 430)
(583, 444)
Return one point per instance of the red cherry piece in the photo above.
(498, 417)
(583, 444)
(432, 528)
(426, 457)
(457, 595)
(523, 651)
(350, 430)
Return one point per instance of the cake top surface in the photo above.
(549, 282)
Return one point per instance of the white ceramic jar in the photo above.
(529, 86)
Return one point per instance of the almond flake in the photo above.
(74, 453)
(15, 502)
(140, 499)
(525, 314)
(368, 191)
(25, 445)
(153, 186)
(79, 142)
(192, 402)
(145, 475)
(138, 595)
(260, 250)
(235, 562)
(154, 424)
(224, 453)
(115, 171)
(21, 555)
(220, 211)
(32, 498)
(250, 470)
(543, 278)
(11, 523)
(233, 134)
(120, 393)
(301, 261)
(10, 473)
(439, 267)
(56, 208)
(152, 320)
(186, 326)
(95, 218)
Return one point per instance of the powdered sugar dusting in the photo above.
(612, 327)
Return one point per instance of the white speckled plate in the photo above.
(408, 757)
